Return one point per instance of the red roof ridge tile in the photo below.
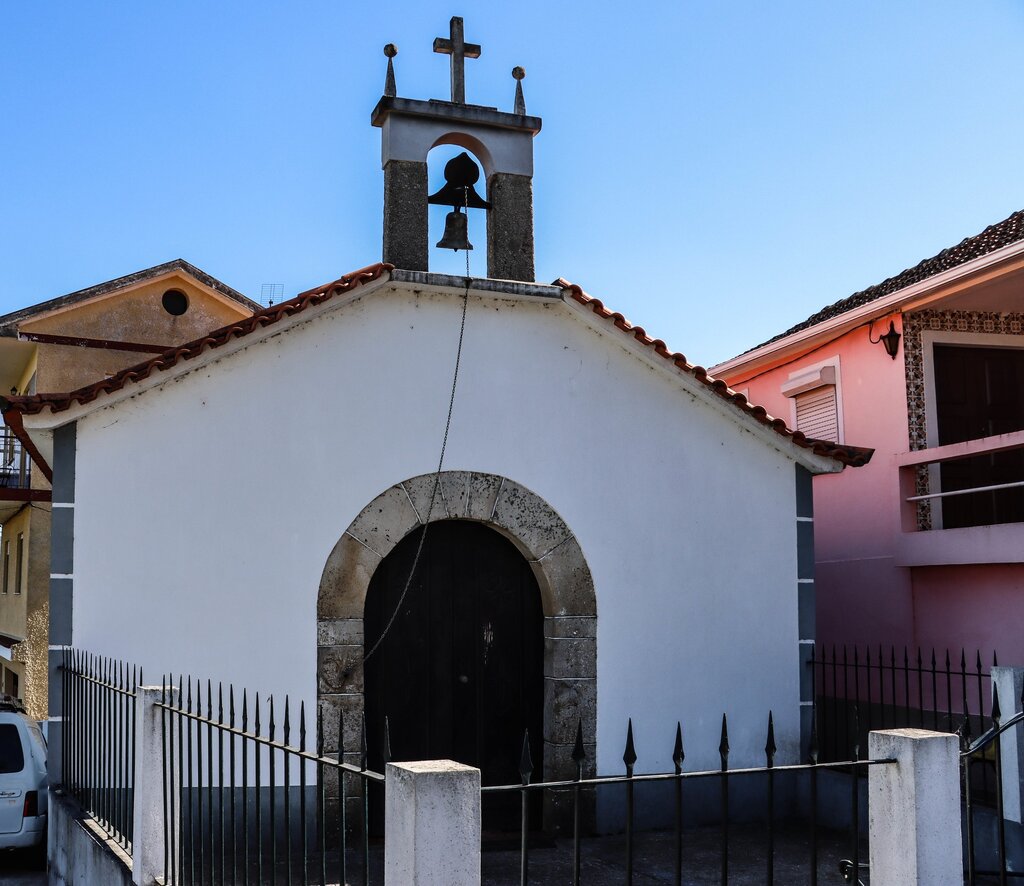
(854, 456)
(996, 236)
(31, 405)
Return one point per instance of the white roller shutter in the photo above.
(817, 414)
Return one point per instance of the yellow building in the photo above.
(60, 345)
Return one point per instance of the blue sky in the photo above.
(714, 171)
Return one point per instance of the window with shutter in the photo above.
(817, 414)
(817, 395)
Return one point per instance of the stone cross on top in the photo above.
(499, 142)
(459, 50)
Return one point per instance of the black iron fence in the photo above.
(578, 788)
(986, 751)
(249, 794)
(858, 689)
(98, 749)
(244, 803)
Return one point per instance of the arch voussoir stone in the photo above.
(428, 503)
(567, 590)
(385, 521)
(529, 520)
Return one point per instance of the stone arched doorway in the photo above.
(567, 595)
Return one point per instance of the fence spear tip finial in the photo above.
(723, 744)
(677, 751)
(629, 755)
(856, 733)
(579, 753)
(812, 745)
(526, 759)
(770, 747)
(363, 747)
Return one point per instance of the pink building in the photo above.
(925, 545)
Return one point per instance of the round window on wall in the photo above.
(175, 302)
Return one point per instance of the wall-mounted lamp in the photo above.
(890, 340)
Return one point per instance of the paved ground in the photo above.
(20, 869)
(602, 860)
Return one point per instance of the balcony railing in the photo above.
(15, 464)
(963, 502)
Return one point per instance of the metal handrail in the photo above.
(989, 736)
(995, 488)
(266, 742)
(599, 780)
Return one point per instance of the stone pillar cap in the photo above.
(449, 112)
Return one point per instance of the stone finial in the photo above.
(518, 73)
(390, 90)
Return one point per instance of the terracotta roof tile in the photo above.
(848, 455)
(1010, 230)
(854, 456)
(174, 356)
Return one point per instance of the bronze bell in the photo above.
(460, 174)
(456, 232)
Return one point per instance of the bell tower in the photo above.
(501, 142)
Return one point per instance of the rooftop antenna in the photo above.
(269, 292)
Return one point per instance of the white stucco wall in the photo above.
(206, 508)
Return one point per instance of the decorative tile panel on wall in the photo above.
(977, 322)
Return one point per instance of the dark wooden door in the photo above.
(979, 392)
(460, 672)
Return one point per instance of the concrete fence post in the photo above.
(1010, 682)
(149, 824)
(914, 809)
(431, 824)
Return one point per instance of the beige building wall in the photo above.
(13, 593)
(134, 314)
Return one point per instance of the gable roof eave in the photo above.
(991, 240)
(801, 339)
(51, 410)
(818, 456)
(47, 411)
(9, 322)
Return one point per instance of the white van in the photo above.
(23, 783)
